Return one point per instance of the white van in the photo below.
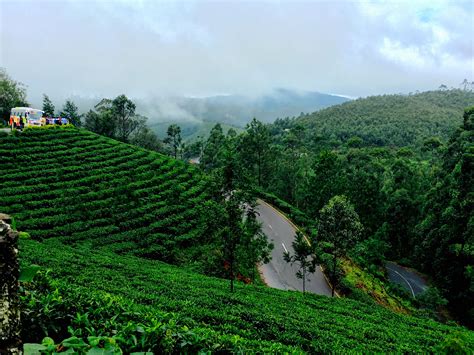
(33, 116)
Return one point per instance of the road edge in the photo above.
(298, 229)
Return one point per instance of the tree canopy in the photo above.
(12, 94)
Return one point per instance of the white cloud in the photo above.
(148, 48)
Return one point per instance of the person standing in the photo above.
(21, 122)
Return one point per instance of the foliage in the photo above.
(339, 225)
(369, 286)
(12, 94)
(173, 139)
(146, 138)
(243, 243)
(254, 150)
(115, 119)
(302, 257)
(48, 106)
(431, 301)
(213, 152)
(387, 120)
(123, 111)
(445, 242)
(70, 111)
(102, 294)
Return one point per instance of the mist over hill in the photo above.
(196, 115)
(235, 110)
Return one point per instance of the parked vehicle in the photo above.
(21, 117)
(26, 116)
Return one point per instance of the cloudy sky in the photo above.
(199, 48)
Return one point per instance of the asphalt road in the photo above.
(278, 273)
(408, 279)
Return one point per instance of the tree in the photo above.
(303, 250)
(48, 106)
(243, 243)
(255, 248)
(255, 148)
(339, 224)
(128, 122)
(12, 94)
(445, 241)
(115, 118)
(147, 139)
(212, 154)
(173, 139)
(70, 111)
(101, 122)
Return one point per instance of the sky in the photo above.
(147, 49)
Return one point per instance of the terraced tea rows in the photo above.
(254, 317)
(79, 187)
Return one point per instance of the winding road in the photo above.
(278, 273)
(408, 279)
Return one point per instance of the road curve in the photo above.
(278, 273)
(408, 279)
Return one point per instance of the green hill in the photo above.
(391, 120)
(80, 187)
(95, 207)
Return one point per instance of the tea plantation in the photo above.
(99, 212)
(79, 187)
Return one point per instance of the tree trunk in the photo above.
(304, 279)
(259, 174)
(232, 276)
(333, 281)
(9, 274)
(232, 254)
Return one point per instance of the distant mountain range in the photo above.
(238, 110)
(195, 115)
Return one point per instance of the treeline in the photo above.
(387, 120)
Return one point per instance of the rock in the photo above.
(9, 274)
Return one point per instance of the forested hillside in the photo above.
(389, 120)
